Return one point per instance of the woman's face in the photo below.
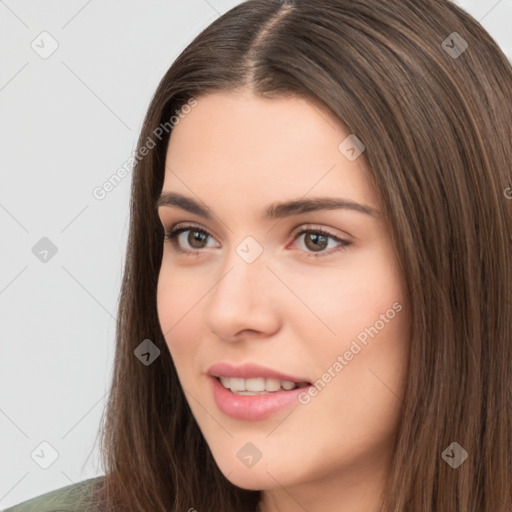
(327, 309)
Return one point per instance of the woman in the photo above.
(315, 311)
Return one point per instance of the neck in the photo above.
(354, 489)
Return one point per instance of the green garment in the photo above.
(65, 499)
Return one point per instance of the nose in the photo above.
(244, 300)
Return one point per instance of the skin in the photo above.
(237, 153)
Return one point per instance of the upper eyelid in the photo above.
(186, 225)
(161, 216)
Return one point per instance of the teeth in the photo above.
(255, 386)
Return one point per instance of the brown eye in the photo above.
(195, 238)
(317, 240)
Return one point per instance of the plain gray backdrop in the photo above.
(76, 77)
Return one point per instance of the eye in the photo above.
(318, 239)
(195, 237)
(315, 239)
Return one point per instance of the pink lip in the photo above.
(252, 407)
(250, 370)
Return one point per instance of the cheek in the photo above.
(351, 296)
(360, 314)
(178, 294)
(360, 367)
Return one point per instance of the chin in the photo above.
(251, 481)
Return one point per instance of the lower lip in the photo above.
(252, 407)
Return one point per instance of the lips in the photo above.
(251, 370)
(253, 407)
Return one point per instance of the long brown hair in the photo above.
(429, 92)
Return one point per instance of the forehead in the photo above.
(258, 147)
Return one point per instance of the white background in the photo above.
(67, 123)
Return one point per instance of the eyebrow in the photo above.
(274, 210)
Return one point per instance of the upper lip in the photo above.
(250, 370)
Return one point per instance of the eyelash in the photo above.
(177, 230)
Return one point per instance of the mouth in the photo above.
(253, 392)
(258, 385)
(256, 403)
